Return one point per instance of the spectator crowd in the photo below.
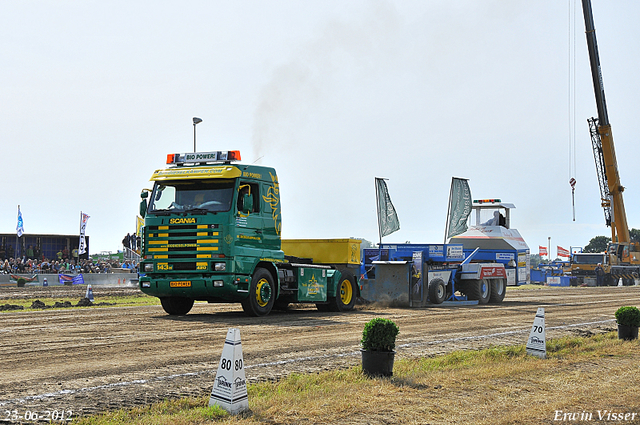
(29, 264)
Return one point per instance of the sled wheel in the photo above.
(479, 290)
(498, 291)
(437, 291)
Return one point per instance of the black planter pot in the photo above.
(627, 332)
(377, 363)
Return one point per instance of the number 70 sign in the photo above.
(536, 344)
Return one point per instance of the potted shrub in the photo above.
(378, 344)
(628, 319)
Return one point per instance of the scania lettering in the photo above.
(212, 232)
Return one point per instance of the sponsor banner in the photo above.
(455, 252)
(66, 279)
(492, 272)
(82, 248)
(504, 256)
(553, 280)
(459, 207)
(436, 250)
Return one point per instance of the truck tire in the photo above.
(437, 291)
(346, 293)
(479, 290)
(262, 294)
(176, 306)
(498, 291)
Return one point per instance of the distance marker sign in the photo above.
(230, 386)
(537, 344)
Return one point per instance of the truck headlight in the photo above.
(220, 267)
(218, 283)
(148, 267)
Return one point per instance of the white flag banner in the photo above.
(387, 217)
(82, 249)
(459, 207)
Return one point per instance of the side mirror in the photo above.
(247, 203)
(143, 203)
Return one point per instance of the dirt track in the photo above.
(95, 359)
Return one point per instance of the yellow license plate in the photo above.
(180, 284)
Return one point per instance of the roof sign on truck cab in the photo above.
(202, 157)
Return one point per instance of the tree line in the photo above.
(599, 243)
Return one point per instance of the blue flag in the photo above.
(20, 226)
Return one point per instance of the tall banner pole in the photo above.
(15, 254)
(378, 214)
(80, 236)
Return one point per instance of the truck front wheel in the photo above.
(176, 306)
(262, 294)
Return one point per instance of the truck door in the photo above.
(249, 223)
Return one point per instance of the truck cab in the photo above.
(583, 266)
(212, 232)
(209, 224)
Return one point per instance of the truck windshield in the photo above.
(192, 195)
(587, 258)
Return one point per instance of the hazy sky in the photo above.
(331, 94)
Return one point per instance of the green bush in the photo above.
(628, 316)
(379, 335)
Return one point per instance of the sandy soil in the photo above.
(89, 360)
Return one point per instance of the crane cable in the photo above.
(572, 103)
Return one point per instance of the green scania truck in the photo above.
(212, 232)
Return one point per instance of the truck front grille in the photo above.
(183, 247)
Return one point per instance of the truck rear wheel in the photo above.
(479, 290)
(262, 294)
(176, 306)
(437, 291)
(346, 293)
(498, 291)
